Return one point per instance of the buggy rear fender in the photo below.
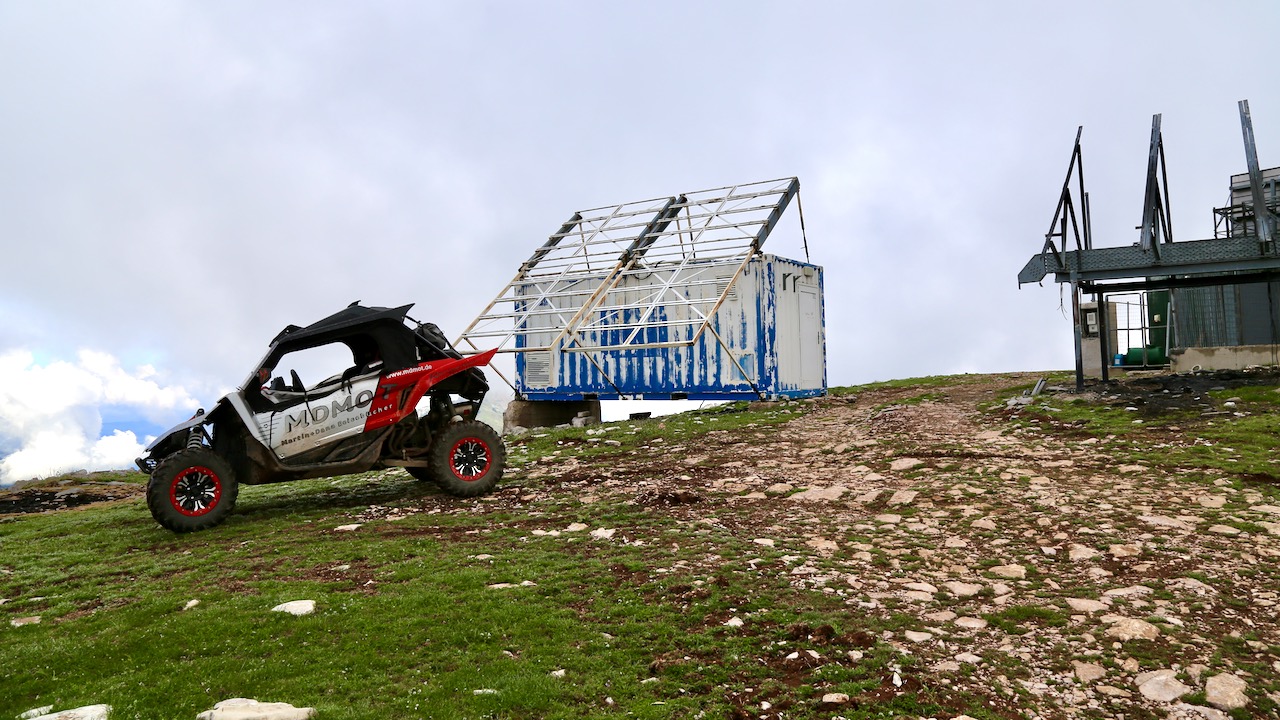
(400, 392)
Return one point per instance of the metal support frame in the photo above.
(1155, 262)
(609, 270)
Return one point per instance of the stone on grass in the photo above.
(888, 518)
(1126, 629)
(1125, 550)
(190, 604)
(347, 528)
(962, 589)
(902, 497)
(1088, 672)
(763, 541)
(983, 524)
(249, 709)
(293, 607)
(918, 637)
(1012, 572)
(971, 623)
(575, 527)
(1226, 692)
(35, 712)
(819, 494)
(1163, 521)
(734, 622)
(1207, 713)
(1081, 552)
(1161, 686)
(1224, 530)
(906, 463)
(88, 712)
(603, 533)
(968, 657)
(835, 699)
(1085, 605)
(557, 673)
(822, 544)
(19, 622)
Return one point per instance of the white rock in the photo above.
(88, 712)
(1088, 672)
(734, 622)
(190, 604)
(557, 673)
(888, 518)
(576, 527)
(603, 533)
(1273, 509)
(35, 712)
(922, 587)
(902, 497)
(1133, 629)
(484, 691)
(348, 528)
(1163, 521)
(1161, 686)
(1226, 692)
(1081, 552)
(1085, 605)
(1125, 550)
(962, 589)
(967, 657)
(1212, 501)
(819, 494)
(1224, 530)
(1130, 591)
(249, 709)
(1012, 572)
(917, 637)
(763, 541)
(971, 623)
(779, 488)
(1207, 713)
(955, 542)
(984, 524)
(19, 622)
(822, 545)
(906, 463)
(294, 607)
(835, 699)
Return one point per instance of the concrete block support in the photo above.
(549, 413)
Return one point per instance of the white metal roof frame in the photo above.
(596, 269)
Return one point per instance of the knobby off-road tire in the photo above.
(466, 459)
(192, 489)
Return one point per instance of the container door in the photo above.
(812, 357)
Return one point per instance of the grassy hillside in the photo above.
(638, 569)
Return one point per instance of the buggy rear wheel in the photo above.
(191, 490)
(466, 459)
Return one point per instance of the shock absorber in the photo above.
(196, 436)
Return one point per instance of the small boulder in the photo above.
(294, 607)
(1226, 692)
(249, 709)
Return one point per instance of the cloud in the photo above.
(51, 412)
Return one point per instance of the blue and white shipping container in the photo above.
(670, 298)
(766, 340)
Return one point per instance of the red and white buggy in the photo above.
(362, 418)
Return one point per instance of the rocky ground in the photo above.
(1033, 567)
(1043, 568)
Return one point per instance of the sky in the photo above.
(180, 180)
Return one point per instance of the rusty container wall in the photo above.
(771, 342)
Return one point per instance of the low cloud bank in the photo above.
(52, 413)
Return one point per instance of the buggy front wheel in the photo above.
(467, 459)
(191, 490)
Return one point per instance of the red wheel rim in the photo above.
(195, 491)
(470, 459)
